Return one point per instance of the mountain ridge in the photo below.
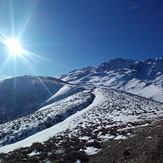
(134, 76)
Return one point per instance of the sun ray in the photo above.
(4, 64)
(2, 38)
(33, 69)
(32, 55)
(28, 16)
(12, 18)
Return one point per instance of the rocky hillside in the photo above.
(91, 118)
(111, 121)
(46, 117)
(21, 96)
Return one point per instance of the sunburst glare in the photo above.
(13, 32)
(15, 27)
(14, 46)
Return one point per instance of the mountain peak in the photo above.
(135, 76)
(115, 64)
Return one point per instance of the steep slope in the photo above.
(46, 117)
(66, 91)
(110, 115)
(143, 78)
(110, 110)
(21, 96)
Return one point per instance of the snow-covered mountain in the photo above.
(20, 96)
(144, 78)
(106, 66)
(80, 111)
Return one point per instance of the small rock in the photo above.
(126, 153)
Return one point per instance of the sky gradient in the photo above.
(63, 35)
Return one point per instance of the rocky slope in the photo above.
(110, 117)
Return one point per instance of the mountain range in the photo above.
(144, 77)
(71, 118)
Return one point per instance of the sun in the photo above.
(14, 46)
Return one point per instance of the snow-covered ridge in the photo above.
(114, 64)
(44, 118)
(106, 66)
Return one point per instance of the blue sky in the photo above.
(62, 35)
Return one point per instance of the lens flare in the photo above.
(14, 46)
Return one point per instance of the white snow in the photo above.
(106, 137)
(77, 161)
(91, 150)
(33, 153)
(119, 137)
(84, 138)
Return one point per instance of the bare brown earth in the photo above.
(145, 145)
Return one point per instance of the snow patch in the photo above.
(91, 150)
